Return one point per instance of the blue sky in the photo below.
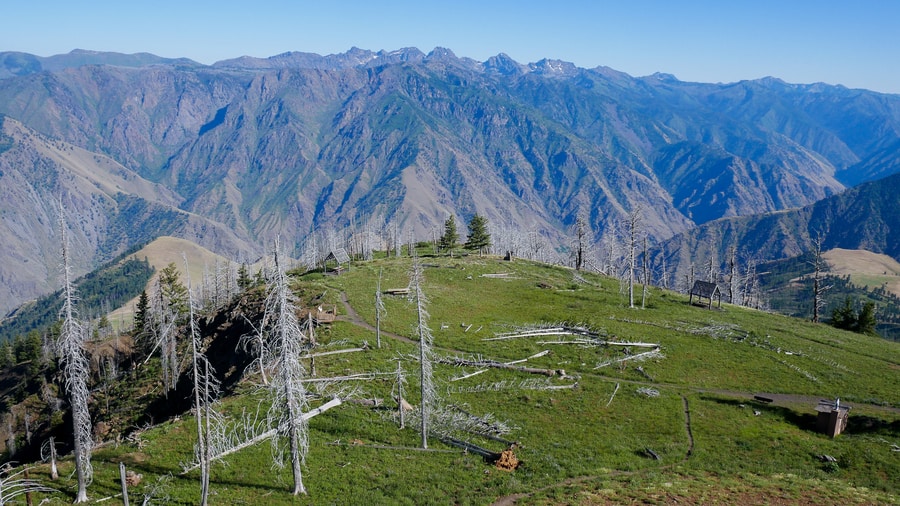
(856, 43)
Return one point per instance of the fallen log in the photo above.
(389, 447)
(501, 365)
(335, 352)
(471, 448)
(514, 362)
(640, 356)
(372, 403)
(365, 376)
(267, 434)
(611, 397)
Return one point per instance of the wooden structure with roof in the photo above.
(339, 256)
(705, 290)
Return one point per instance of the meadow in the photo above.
(681, 426)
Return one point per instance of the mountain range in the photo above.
(234, 154)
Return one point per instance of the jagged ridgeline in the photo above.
(100, 291)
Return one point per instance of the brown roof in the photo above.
(705, 289)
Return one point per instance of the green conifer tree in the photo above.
(451, 236)
(141, 313)
(479, 239)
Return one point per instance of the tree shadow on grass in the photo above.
(803, 421)
(864, 424)
(856, 424)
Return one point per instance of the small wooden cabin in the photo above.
(705, 290)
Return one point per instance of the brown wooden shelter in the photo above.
(705, 290)
(339, 256)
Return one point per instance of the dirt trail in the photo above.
(353, 317)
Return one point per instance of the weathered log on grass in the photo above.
(611, 397)
(502, 365)
(334, 352)
(536, 355)
(655, 353)
(372, 403)
(267, 434)
(365, 376)
(488, 455)
(391, 447)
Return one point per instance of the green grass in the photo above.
(573, 447)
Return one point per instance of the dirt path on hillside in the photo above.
(353, 317)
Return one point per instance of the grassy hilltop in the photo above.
(682, 426)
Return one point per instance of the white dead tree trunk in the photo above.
(204, 391)
(76, 370)
(634, 222)
(163, 326)
(819, 287)
(581, 240)
(255, 344)
(379, 310)
(646, 276)
(732, 276)
(287, 384)
(429, 394)
(400, 401)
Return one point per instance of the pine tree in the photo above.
(451, 236)
(7, 359)
(479, 239)
(844, 317)
(141, 313)
(244, 282)
(866, 320)
(173, 290)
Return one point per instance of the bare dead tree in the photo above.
(310, 257)
(751, 296)
(665, 272)
(429, 394)
(205, 391)
(711, 274)
(646, 275)
(48, 454)
(536, 245)
(611, 251)
(255, 344)
(397, 237)
(581, 230)
(17, 484)
(76, 371)
(379, 309)
(732, 275)
(634, 223)
(287, 385)
(401, 379)
(819, 286)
